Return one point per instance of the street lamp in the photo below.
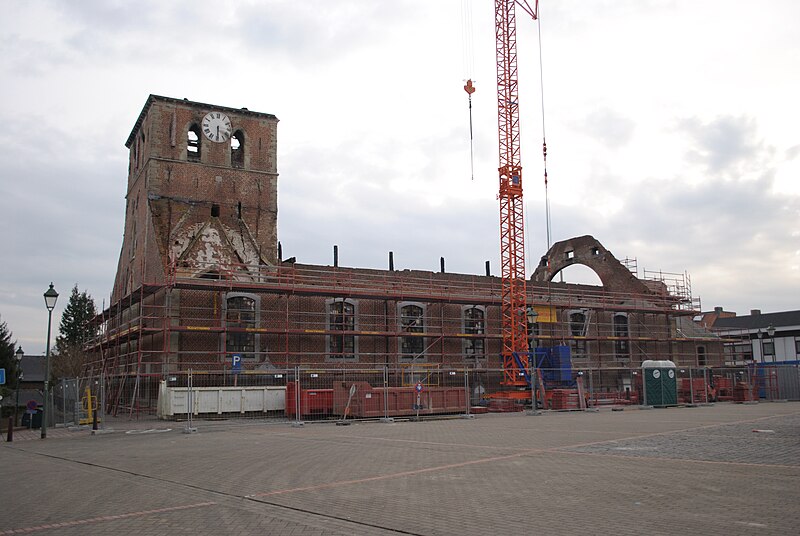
(50, 297)
(771, 333)
(18, 355)
(531, 315)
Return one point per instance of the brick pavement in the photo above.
(681, 470)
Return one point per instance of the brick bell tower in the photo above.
(202, 191)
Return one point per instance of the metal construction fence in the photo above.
(414, 391)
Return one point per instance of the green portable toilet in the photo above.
(660, 383)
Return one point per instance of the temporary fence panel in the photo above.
(67, 402)
(789, 381)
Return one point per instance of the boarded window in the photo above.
(342, 324)
(474, 324)
(241, 316)
(622, 349)
(577, 328)
(412, 320)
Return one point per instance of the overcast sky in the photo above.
(672, 132)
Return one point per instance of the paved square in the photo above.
(723, 469)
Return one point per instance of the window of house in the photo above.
(769, 348)
(341, 319)
(474, 319)
(701, 356)
(622, 349)
(241, 315)
(737, 352)
(193, 143)
(412, 320)
(797, 346)
(237, 149)
(577, 328)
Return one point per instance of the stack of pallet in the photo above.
(565, 399)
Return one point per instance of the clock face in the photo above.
(217, 127)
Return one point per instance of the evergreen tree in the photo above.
(75, 330)
(7, 359)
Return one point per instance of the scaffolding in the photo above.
(182, 324)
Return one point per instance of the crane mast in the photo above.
(512, 227)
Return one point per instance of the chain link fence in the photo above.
(319, 393)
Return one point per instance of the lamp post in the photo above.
(771, 333)
(530, 316)
(18, 355)
(50, 297)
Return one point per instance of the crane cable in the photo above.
(470, 89)
(468, 59)
(544, 137)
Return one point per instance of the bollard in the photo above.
(10, 435)
(386, 418)
(467, 398)
(94, 421)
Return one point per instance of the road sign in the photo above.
(236, 363)
(418, 387)
(32, 405)
(2, 376)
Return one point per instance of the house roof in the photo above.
(760, 321)
(690, 329)
(32, 368)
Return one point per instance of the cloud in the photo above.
(609, 127)
(373, 142)
(314, 32)
(722, 144)
(737, 238)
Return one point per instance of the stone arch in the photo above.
(589, 252)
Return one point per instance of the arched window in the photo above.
(241, 316)
(412, 320)
(193, 143)
(237, 149)
(474, 319)
(622, 349)
(341, 319)
(578, 325)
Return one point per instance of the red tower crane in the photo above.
(512, 227)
